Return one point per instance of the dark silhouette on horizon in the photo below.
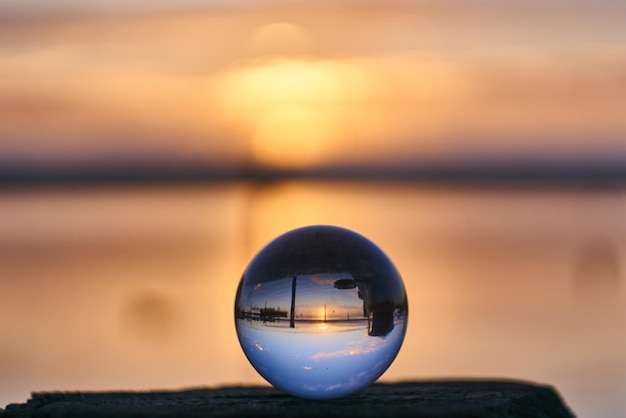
(609, 172)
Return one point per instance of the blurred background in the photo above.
(148, 150)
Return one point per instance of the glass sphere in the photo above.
(321, 312)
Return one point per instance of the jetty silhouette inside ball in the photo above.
(321, 312)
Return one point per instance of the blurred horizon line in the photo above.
(494, 173)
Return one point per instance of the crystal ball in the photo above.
(321, 312)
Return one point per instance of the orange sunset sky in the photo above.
(311, 84)
(131, 285)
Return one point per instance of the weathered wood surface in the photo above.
(440, 399)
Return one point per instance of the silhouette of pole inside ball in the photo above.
(321, 312)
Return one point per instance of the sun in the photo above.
(323, 313)
(293, 110)
(289, 136)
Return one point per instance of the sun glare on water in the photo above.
(322, 327)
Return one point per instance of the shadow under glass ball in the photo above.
(321, 312)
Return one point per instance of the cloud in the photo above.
(366, 345)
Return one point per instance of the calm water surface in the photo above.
(133, 288)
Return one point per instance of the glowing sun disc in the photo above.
(289, 137)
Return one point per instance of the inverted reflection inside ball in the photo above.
(321, 312)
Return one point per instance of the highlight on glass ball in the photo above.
(321, 312)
